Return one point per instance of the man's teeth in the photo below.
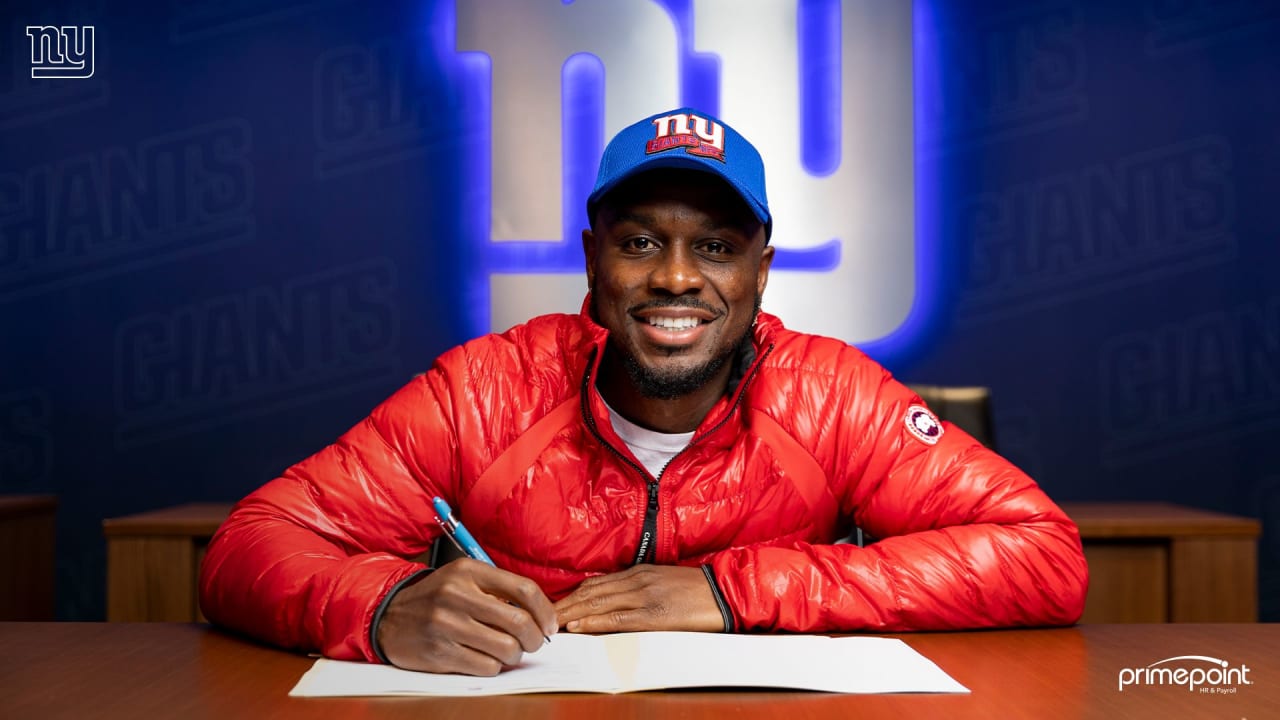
(667, 323)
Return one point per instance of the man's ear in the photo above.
(766, 262)
(589, 252)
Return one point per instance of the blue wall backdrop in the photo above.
(240, 234)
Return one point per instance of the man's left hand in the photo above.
(644, 597)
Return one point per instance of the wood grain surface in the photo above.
(162, 670)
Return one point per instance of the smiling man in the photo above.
(671, 458)
(677, 267)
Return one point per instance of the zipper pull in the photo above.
(649, 533)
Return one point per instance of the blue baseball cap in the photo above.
(685, 138)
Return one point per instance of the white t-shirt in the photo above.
(653, 449)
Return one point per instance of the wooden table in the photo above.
(1149, 562)
(26, 556)
(1156, 562)
(162, 670)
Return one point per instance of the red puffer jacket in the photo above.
(510, 430)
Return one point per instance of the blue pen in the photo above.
(458, 533)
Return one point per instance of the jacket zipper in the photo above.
(649, 530)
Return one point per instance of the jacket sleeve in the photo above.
(305, 561)
(967, 539)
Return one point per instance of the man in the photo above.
(670, 458)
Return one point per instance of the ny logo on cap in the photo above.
(706, 139)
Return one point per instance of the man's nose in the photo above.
(677, 271)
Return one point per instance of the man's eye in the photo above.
(715, 248)
(640, 243)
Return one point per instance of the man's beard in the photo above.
(676, 383)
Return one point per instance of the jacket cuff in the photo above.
(725, 613)
(382, 609)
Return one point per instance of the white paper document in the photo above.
(628, 662)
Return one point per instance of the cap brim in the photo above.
(689, 162)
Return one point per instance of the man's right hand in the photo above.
(466, 617)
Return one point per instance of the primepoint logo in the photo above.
(1218, 678)
(823, 89)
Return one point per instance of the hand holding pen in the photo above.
(465, 617)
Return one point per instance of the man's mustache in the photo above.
(676, 302)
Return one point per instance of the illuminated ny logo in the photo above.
(823, 89)
(65, 52)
